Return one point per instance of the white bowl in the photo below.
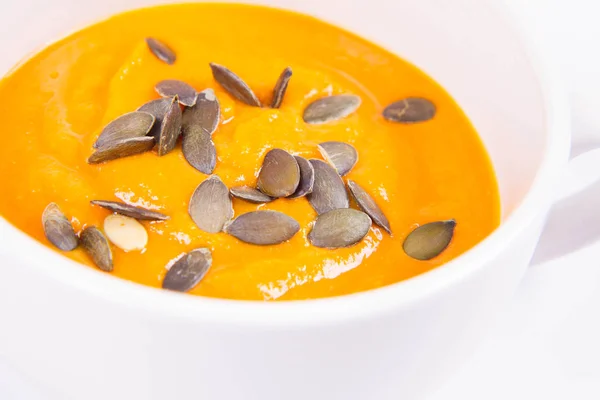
(87, 335)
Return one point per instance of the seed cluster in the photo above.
(181, 111)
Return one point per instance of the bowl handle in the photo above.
(574, 220)
(580, 175)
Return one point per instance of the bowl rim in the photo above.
(155, 302)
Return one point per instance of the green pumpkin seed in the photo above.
(281, 87)
(204, 115)
(429, 240)
(234, 85)
(130, 211)
(163, 52)
(121, 148)
(198, 124)
(263, 227)
(172, 87)
(340, 155)
(96, 246)
(329, 192)
(170, 128)
(410, 110)
(279, 175)
(368, 205)
(188, 270)
(58, 228)
(307, 178)
(210, 205)
(127, 126)
(339, 228)
(158, 108)
(199, 150)
(331, 108)
(250, 194)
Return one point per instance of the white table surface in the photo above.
(546, 345)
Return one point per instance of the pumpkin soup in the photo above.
(240, 152)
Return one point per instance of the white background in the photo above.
(547, 343)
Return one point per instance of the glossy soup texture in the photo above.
(56, 103)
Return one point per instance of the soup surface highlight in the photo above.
(57, 103)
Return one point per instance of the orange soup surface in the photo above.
(57, 103)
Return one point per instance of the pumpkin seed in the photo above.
(203, 115)
(307, 178)
(126, 233)
(210, 205)
(121, 148)
(173, 87)
(329, 192)
(158, 108)
(250, 194)
(199, 150)
(429, 240)
(339, 228)
(341, 155)
(234, 85)
(410, 110)
(279, 175)
(127, 126)
(199, 123)
(331, 108)
(170, 128)
(58, 228)
(163, 52)
(130, 211)
(368, 205)
(263, 227)
(188, 270)
(96, 246)
(281, 87)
